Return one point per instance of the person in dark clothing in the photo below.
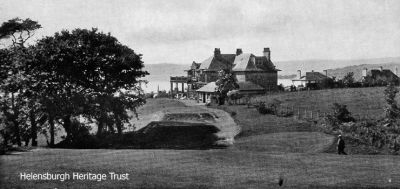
(341, 146)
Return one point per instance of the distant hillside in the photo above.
(291, 67)
(162, 72)
(357, 69)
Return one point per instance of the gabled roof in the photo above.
(206, 63)
(312, 76)
(386, 73)
(315, 76)
(209, 88)
(243, 63)
(218, 62)
(195, 65)
(249, 86)
(264, 64)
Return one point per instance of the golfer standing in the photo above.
(341, 145)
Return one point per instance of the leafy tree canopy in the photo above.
(19, 30)
(225, 83)
(86, 72)
(348, 79)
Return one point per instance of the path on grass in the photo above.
(288, 142)
(229, 129)
(271, 133)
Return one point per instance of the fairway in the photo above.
(268, 148)
(226, 168)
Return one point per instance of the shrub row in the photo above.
(273, 109)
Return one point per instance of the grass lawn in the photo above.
(226, 168)
(360, 101)
(253, 123)
(268, 148)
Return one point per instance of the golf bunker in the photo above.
(178, 135)
(197, 130)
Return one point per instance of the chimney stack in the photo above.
(299, 74)
(364, 72)
(239, 52)
(267, 53)
(217, 51)
(326, 73)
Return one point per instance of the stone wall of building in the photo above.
(209, 76)
(268, 80)
(240, 76)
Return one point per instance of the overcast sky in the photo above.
(180, 31)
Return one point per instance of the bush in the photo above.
(373, 133)
(3, 149)
(285, 113)
(263, 109)
(162, 94)
(280, 87)
(149, 95)
(233, 113)
(392, 110)
(340, 115)
(80, 138)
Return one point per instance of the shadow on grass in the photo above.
(156, 135)
(12, 150)
(177, 135)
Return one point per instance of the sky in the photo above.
(182, 31)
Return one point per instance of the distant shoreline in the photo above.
(292, 76)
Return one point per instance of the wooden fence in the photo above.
(310, 113)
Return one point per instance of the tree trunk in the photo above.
(16, 132)
(100, 127)
(111, 128)
(51, 122)
(15, 120)
(33, 127)
(119, 125)
(67, 126)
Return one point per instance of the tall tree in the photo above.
(19, 30)
(14, 78)
(348, 79)
(392, 109)
(85, 72)
(225, 83)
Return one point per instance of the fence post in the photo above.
(298, 113)
(305, 113)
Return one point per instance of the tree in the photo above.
(348, 79)
(225, 83)
(13, 75)
(392, 110)
(87, 73)
(18, 30)
(340, 114)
